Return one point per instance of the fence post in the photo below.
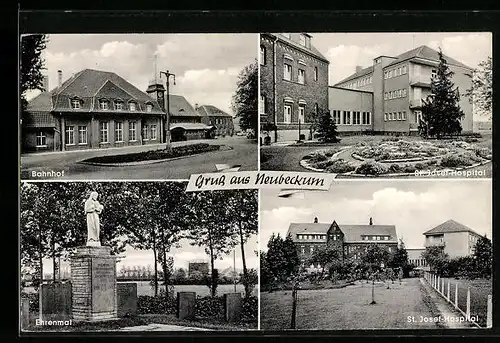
(448, 292)
(489, 313)
(442, 287)
(438, 283)
(456, 295)
(467, 312)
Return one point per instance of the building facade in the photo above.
(415, 258)
(221, 121)
(293, 84)
(398, 85)
(352, 240)
(98, 109)
(456, 239)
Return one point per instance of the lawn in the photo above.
(349, 308)
(479, 291)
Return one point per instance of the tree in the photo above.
(483, 256)
(32, 64)
(436, 258)
(324, 256)
(481, 92)
(244, 101)
(375, 256)
(399, 259)
(325, 127)
(441, 112)
(179, 277)
(243, 217)
(209, 228)
(281, 259)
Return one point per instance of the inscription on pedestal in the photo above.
(103, 284)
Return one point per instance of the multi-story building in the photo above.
(99, 109)
(352, 240)
(220, 120)
(456, 239)
(293, 84)
(386, 97)
(415, 258)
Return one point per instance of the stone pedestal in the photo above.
(93, 279)
(232, 307)
(186, 305)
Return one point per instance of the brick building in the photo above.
(293, 83)
(185, 122)
(350, 239)
(397, 86)
(99, 109)
(221, 121)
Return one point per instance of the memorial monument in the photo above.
(93, 272)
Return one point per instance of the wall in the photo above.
(29, 139)
(267, 77)
(350, 100)
(456, 244)
(378, 93)
(397, 104)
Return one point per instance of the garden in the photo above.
(398, 156)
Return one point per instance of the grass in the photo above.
(349, 308)
(479, 291)
(144, 319)
(179, 151)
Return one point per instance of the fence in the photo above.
(455, 293)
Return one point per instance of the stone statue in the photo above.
(92, 209)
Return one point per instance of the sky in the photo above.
(345, 51)
(412, 206)
(206, 65)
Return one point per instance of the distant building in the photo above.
(386, 97)
(293, 83)
(221, 121)
(415, 258)
(185, 122)
(456, 239)
(198, 266)
(352, 240)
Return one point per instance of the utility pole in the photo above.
(234, 269)
(166, 120)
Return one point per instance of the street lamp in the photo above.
(166, 121)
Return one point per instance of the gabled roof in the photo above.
(313, 51)
(427, 53)
(41, 103)
(179, 106)
(449, 226)
(352, 233)
(360, 73)
(212, 111)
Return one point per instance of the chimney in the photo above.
(315, 220)
(358, 69)
(196, 107)
(59, 78)
(46, 83)
(371, 221)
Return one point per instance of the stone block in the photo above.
(127, 298)
(186, 305)
(56, 300)
(232, 307)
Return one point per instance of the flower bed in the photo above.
(400, 150)
(152, 155)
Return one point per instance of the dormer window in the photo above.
(103, 104)
(132, 106)
(119, 105)
(76, 104)
(149, 107)
(302, 40)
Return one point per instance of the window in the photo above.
(385, 116)
(76, 104)
(302, 40)
(400, 93)
(302, 111)
(119, 105)
(336, 116)
(41, 139)
(119, 131)
(132, 106)
(390, 74)
(262, 55)
(403, 116)
(262, 104)
(404, 93)
(390, 249)
(385, 96)
(153, 132)
(287, 72)
(301, 76)
(82, 134)
(315, 73)
(433, 73)
(70, 135)
(403, 69)
(386, 238)
(399, 71)
(347, 117)
(149, 107)
(103, 104)
(104, 132)
(399, 115)
(378, 238)
(370, 80)
(356, 120)
(303, 250)
(132, 131)
(366, 118)
(145, 132)
(311, 249)
(390, 95)
(287, 114)
(385, 75)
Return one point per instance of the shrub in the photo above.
(317, 157)
(161, 304)
(459, 160)
(471, 140)
(483, 153)
(384, 155)
(250, 309)
(395, 168)
(209, 307)
(322, 164)
(390, 139)
(372, 168)
(34, 300)
(409, 168)
(340, 166)
(421, 166)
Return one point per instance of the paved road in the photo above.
(244, 153)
